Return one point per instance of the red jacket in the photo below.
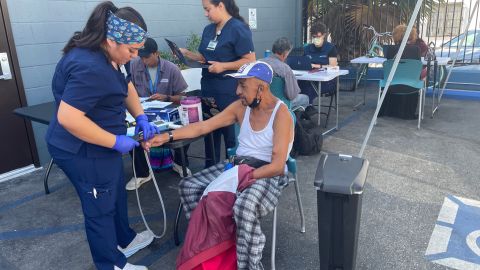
(211, 229)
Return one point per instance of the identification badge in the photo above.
(212, 45)
(164, 80)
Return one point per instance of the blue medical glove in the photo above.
(228, 166)
(148, 129)
(124, 144)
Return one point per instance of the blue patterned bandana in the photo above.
(123, 31)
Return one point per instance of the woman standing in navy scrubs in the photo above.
(227, 45)
(86, 135)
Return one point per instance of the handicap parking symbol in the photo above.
(455, 240)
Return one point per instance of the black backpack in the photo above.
(308, 135)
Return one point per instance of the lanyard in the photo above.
(153, 87)
(217, 34)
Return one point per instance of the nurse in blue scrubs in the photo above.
(226, 44)
(86, 135)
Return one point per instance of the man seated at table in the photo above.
(157, 79)
(281, 49)
(266, 133)
(322, 53)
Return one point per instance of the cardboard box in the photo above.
(166, 114)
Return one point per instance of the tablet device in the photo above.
(176, 51)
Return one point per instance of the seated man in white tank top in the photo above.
(266, 133)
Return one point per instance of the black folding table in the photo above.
(42, 113)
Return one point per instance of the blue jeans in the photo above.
(301, 100)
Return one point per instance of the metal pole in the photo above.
(392, 73)
(298, 24)
(458, 50)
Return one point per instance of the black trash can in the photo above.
(339, 181)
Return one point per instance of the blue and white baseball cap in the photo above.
(259, 70)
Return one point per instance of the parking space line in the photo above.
(455, 239)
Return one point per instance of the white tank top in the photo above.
(258, 144)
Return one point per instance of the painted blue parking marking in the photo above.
(38, 232)
(457, 94)
(455, 240)
(31, 197)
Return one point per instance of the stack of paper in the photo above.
(155, 104)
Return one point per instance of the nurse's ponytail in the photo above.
(231, 8)
(94, 33)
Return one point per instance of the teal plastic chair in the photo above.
(277, 87)
(407, 73)
(292, 169)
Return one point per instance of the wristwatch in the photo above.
(170, 136)
(168, 98)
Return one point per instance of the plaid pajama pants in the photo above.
(253, 203)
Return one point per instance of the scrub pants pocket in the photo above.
(99, 186)
(96, 182)
(97, 200)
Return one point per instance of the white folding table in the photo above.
(318, 77)
(439, 61)
(442, 61)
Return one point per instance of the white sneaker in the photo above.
(131, 267)
(140, 181)
(140, 241)
(178, 168)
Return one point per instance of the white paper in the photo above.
(130, 131)
(252, 18)
(155, 104)
(129, 118)
(227, 181)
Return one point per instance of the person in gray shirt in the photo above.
(280, 50)
(155, 77)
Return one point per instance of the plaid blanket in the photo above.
(253, 203)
